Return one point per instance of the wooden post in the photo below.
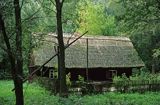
(87, 60)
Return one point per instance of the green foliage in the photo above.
(35, 95)
(38, 16)
(68, 81)
(115, 7)
(48, 84)
(55, 71)
(5, 75)
(137, 83)
(156, 53)
(2, 53)
(80, 78)
(146, 44)
(140, 15)
(141, 22)
(80, 81)
(70, 15)
(93, 18)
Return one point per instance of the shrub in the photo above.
(48, 84)
(139, 83)
(68, 81)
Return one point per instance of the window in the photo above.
(51, 74)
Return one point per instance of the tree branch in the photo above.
(63, 1)
(8, 45)
(28, 18)
(6, 39)
(50, 9)
(2, 47)
(69, 38)
(53, 3)
(22, 4)
(38, 17)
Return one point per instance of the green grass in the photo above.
(35, 95)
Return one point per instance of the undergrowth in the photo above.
(36, 95)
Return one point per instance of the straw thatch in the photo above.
(104, 52)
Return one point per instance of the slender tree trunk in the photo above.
(9, 51)
(18, 88)
(18, 82)
(61, 48)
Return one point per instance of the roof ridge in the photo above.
(91, 37)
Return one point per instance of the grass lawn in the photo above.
(35, 95)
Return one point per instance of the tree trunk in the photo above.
(61, 49)
(18, 82)
(18, 87)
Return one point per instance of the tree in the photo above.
(141, 19)
(15, 59)
(140, 15)
(18, 81)
(70, 16)
(61, 50)
(94, 17)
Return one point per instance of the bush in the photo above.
(5, 75)
(48, 84)
(138, 83)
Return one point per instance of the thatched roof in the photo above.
(104, 52)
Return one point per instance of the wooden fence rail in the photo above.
(137, 86)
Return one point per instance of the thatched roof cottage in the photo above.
(95, 58)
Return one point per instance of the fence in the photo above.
(124, 86)
(137, 86)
